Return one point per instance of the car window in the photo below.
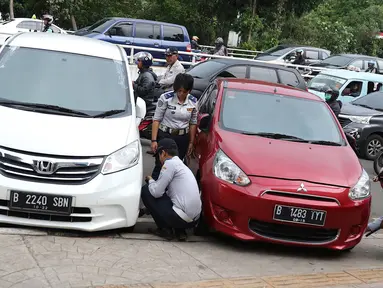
(337, 60)
(144, 31)
(55, 29)
(358, 64)
(172, 33)
(353, 89)
(94, 78)
(373, 100)
(380, 64)
(30, 25)
(255, 112)
(206, 103)
(288, 78)
(157, 32)
(124, 29)
(205, 69)
(234, 71)
(101, 25)
(324, 55)
(311, 54)
(263, 74)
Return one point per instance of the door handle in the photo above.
(128, 42)
(156, 45)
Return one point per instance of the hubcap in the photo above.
(373, 147)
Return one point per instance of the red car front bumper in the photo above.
(246, 213)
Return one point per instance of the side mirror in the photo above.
(351, 140)
(204, 123)
(140, 110)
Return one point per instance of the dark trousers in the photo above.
(182, 143)
(162, 211)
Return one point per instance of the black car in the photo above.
(342, 61)
(204, 72)
(363, 119)
(286, 53)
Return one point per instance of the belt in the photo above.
(173, 131)
(183, 215)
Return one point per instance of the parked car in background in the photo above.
(363, 119)
(349, 84)
(207, 71)
(86, 174)
(17, 25)
(286, 53)
(143, 33)
(343, 61)
(264, 169)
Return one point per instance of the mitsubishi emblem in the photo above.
(302, 188)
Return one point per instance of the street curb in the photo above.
(317, 280)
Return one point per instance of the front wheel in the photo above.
(378, 163)
(373, 146)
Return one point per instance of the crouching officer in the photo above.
(176, 118)
(173, 200)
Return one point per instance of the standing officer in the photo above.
(172, 70)
(176, 118)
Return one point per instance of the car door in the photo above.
(148, 35)
(344, 91)
(380, 66)
(27, 26)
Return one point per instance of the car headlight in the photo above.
(362, 188)
(122, 159)
(225, 169)
(360, 119)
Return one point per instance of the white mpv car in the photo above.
(70, 153)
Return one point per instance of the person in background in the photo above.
(173, 199)
(194, 43)
(48, 20)
(331, 98)
(146, 81)
(220, 48)
(172, 70)
(299, 59)
(379, 87)
(176, 117)
(371, 67)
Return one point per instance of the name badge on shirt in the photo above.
(171, 107)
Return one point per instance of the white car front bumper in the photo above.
(106, 202)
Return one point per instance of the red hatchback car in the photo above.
(275, 165)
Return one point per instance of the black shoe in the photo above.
(181, 235)
(143, 212)
(163, 233)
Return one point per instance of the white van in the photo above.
(70, 153)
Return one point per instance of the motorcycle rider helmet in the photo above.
(195, 38)
(371, 64)
(145, 57)
(218, 41)
(299, 51)
(49, 19)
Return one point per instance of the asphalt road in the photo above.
(377, 191)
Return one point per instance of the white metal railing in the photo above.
(233, 49)
(194, 55)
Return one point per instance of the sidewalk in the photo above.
(39, 259)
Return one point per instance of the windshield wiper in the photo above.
(323, 142)
(276, 136)
(45, 107)
(108, 113)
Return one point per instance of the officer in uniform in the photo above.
(176, 117)
(172, 70)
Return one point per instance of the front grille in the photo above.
(47, 217)
(344, 121)
(66, 170)
(301, 196)
(298, 234)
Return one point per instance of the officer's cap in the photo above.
(166, 144)
(171, 51)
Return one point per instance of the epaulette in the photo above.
(193, 99)
(169, 95)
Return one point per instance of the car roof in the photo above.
(300, 46)
(343, 73)
(236, 61)
(354, 55)
(143, 20)
(67, 43)
(266, 87)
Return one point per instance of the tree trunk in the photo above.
(74, 25)
(11, 12)
(253, 5)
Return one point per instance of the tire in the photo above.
(201, 229)
(378, 163)
(374, 144)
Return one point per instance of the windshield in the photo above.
(253, 112)
(278, 50)
(321, 80)
(101, 25)
(373, 100)
(84, 83)
(205, 69)
(338, 61)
